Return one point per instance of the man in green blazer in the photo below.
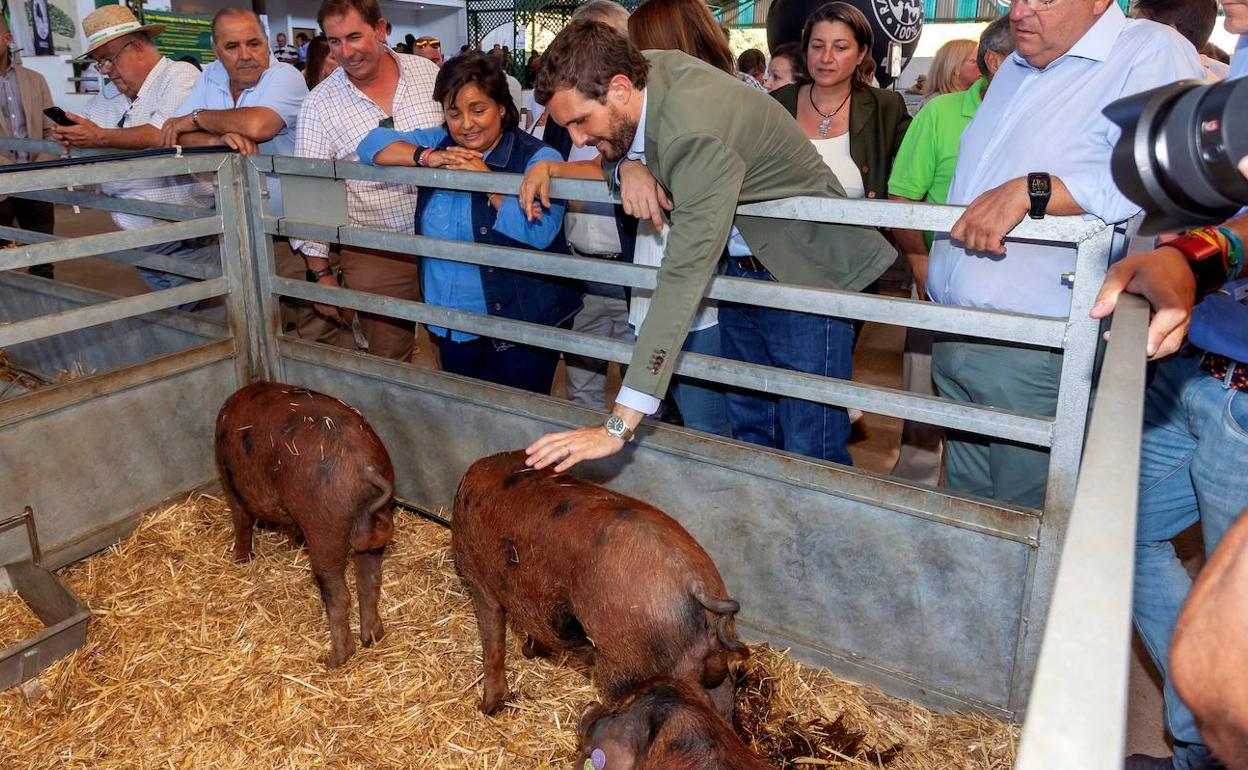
(714, 143)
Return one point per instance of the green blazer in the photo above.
(715, 142)
(877, 123)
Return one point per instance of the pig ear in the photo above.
(590, 715)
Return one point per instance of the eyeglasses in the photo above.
(111, 61)
(386, 122)
(1040, 6)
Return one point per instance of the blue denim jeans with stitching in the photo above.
(1191, 470)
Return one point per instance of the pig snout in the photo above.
(309, 462)
(572, 564)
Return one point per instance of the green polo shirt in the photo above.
(924, 166)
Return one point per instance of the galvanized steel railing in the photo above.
(1084, 642)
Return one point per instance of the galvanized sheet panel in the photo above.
(912, 598)
(87, 466)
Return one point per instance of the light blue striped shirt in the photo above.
(1050, 120)
(281, 89)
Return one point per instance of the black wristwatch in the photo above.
(1039, 189)
(314, 276)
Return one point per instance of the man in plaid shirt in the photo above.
(373, 87)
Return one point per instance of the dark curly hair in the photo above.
(476, 68)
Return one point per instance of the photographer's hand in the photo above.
(1164, 278)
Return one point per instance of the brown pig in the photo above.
(309, 462)
(576, 565)
(663, 724)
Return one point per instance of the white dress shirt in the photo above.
(164, 90)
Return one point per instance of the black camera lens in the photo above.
(1180, 150)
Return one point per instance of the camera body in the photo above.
(1179, 153)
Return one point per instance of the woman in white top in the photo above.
(857, 130)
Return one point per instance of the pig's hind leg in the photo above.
(492, 625)
(330, 572)
(244, 522)
(368, 582)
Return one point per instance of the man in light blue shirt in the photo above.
(246, 99)
(1042, 114)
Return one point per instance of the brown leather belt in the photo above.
(1219, 366)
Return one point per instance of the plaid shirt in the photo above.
(334, 119)
(164, 90)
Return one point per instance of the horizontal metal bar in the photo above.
(1076, 717)
(1009, 327)
(109, 203)
(95, 173)
(871, 213)
(33, 146)
(982, 420)
(983, 516)
(90, 245)
(148, 259)
(263, 163)
(66, 394)
(913, 216)
(95, 315)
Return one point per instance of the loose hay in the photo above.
(194, 661)
(17, 622)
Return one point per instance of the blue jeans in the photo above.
(788, 340)
(1191, 469)
(702, 405)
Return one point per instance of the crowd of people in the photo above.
(655, 104)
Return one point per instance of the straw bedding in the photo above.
(195, 661)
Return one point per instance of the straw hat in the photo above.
(111, 22)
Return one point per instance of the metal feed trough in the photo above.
(929, 595)
(64, 617)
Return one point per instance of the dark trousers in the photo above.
(502, 362)
(29, 215)
(787, 339)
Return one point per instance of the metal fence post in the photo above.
(268, 315)
(1069, 426)
(238, 266)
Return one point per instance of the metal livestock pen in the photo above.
(929, 595)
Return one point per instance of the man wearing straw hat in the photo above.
(25, 96)
(145, 89)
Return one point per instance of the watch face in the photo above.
(615, 425)
(1039, 184)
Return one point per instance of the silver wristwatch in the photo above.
(617, 428)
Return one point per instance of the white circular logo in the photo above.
(901, 20)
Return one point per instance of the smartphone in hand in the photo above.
(58, 116)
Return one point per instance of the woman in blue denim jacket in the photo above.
(481, 134)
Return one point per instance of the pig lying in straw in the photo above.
(663, 724)
(575, 565)
(309, 462)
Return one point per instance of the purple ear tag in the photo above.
(597, 759)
